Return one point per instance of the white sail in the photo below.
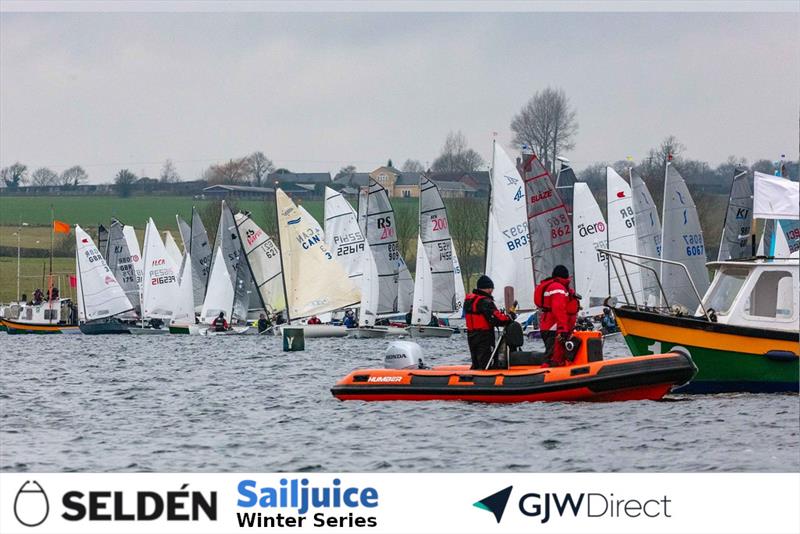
(405, 286)
(160, 286)
(648, 237)
(591, 266)
(228, 240)
(735, 240)
(380, 226)
(219, 295)
(263, 258)
(423, 288)
(622, 238)
(120, 262)
(201, 253)
(363, 195)
(508, 252)
(315, 283)
(370, 289)
(312, 221)
(781, 249)
(172, 248)
(99, 293)
(550, 226)
(343, 236)
(183, 313)
(460, 291)
(186, 233)
(682, 241)
(434, 232)
(136, 253)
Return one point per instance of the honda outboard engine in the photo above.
(403, 355)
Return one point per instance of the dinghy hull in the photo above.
(16, 327)
(429, 331)
(645, 378)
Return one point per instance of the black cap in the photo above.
(560, 272)
(484, 282)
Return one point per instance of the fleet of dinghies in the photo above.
(354, 263)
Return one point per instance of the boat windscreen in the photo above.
(727, 285)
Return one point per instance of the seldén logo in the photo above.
(495, 503)
(31, 506)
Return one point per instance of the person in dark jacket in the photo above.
(482, 316)
(263, 323)
(409, 315)
(219, 323)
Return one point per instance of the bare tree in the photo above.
(14, 175)
(412, 165)
(44, 177)
(258, 167)
(406, 226)
(466, 218)
(234, 172)
(169, 174)
(456, 156)
(347, 170)
(123, 182)
(547, 124)
(73, 176)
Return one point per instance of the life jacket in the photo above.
(538, 293)
(475, 320)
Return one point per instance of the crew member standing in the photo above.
(559, 307)
(482, 316)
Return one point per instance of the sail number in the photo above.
(394, 253)
(439, 223)
(517, 236)
(694, 244)
(627, 216)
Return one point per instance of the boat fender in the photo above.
(403, 355)
(781, 356)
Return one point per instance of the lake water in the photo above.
(238, 403)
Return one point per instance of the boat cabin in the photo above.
(756, 293)
(57, 312)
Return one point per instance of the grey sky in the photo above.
(317, 91)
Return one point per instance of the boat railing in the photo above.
(628, 258)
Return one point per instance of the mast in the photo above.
(144, 269)
(280, 255)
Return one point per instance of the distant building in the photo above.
(478, 182)
(237, 191)
(299, 178)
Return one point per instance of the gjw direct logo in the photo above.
(32, 505)
(551, 505)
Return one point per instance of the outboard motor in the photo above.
(403, 355)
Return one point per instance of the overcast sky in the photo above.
(317, 91)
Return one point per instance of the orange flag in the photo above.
(60, 227)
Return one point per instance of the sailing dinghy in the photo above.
(434, 288)
(100, 297)
(160, 284)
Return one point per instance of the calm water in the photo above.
(180, 403)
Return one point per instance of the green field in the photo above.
(33, 274)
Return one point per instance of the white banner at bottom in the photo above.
(456, 503)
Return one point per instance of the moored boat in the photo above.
(588, 378)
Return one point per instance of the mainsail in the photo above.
(160, 286)
(423, 288)
(102, 240)
(682, 241)
(622, 238)
(548, 221)
(219, 296)
(312, 221)
(121, 264)
(200, 250)
(434, 233)
(315, 283)
(565, 182)
(99, 294)
(263, 258)
(172, 248)
(735, 241)
(343, 236)
(648, 237)
(370, 288)
(591, 266)
(136, 254)
(186, 233)
(183, 312)
(508, 253)
(458, 311)
(380, 231)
